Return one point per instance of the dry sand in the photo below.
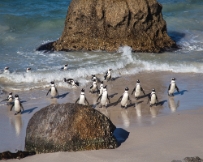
(170, 131)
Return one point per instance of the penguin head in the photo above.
(6, 68)
(126, 89)
(82, 90)
(28, 69)
(52, 83)
(110, 69)
(64, 79)
(10, 93)
(101, 82)
(153, 90)
(16, 96)
(94, 80)
(138, 81)
(104, 88)
(66, 65)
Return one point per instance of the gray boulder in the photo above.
(69, 127)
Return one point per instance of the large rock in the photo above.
(108, 24)
(69, 127)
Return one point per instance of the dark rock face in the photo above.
(18, 155)
(108, 24)
(69, 127)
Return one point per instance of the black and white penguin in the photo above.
(108, 74)
(82, 99)
(138, 89)
(95, 78)
(53, 90)
(28, 70)
(9, 99)
(125, 98)
(72, 82)
(101, 88)
(18, 107)
(6, 70)
(172, 87)
(153, 99)
(65, 67)
(94, 87)
(103, 98)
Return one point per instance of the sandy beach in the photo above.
(169, 131)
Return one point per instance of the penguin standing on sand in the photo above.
(18, 107)
(9, 99)
(82, 99)
(101, 88)
(53, 90)
(125, 98)
(103, 98)
(153, 99)
(94, 87)
(172, 87)
(65, 67)
(138, 89)
(108, 74)
(28, 70)
(6, 70)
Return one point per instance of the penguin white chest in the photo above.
(53, 91)
(104, 98)
(101, 91)
(172, 88)
(17, 107)
(124, 99)
(82, 100)
(153, 99)
(137, 90)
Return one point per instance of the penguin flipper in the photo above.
(133, 91)
(99, 98)
(142, 90)
(169, 87)
(77, 100)
(108, 98)
(4, 100)
(48, 91)
(21, 106)
(12, 107)
(87, 101)
(177, 88)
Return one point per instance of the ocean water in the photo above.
(26, 25)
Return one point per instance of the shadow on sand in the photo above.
(29, 110)
(121, 135)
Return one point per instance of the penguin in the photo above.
(9, 99)
(65, 67)
(172, 87)
(108, 74)
(18, 107)
(125, 98)
(153, 99)
(103, 98)
(28, 70)
(101, 88)
(6, 70)
(93, 87)
(72, 82)
(95, 78)
(138, 89)
(53, 90)
(82, 99)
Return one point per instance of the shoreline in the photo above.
(158, 126)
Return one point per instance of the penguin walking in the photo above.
(138, 90)
(101, 88)
(18, 107)
(65, 67)
(172, 87)
(28, 70)
(53, 90)
(6, 70)
(82, 99)
(108, 74)
(125, 98)
(153, 99)
(94, 87)
(72, 82)
(103, 98)
(9, 99)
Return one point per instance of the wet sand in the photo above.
(170, 131)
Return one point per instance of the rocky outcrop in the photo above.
(108, 24)
(69, 127)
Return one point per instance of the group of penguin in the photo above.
(103, 96)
